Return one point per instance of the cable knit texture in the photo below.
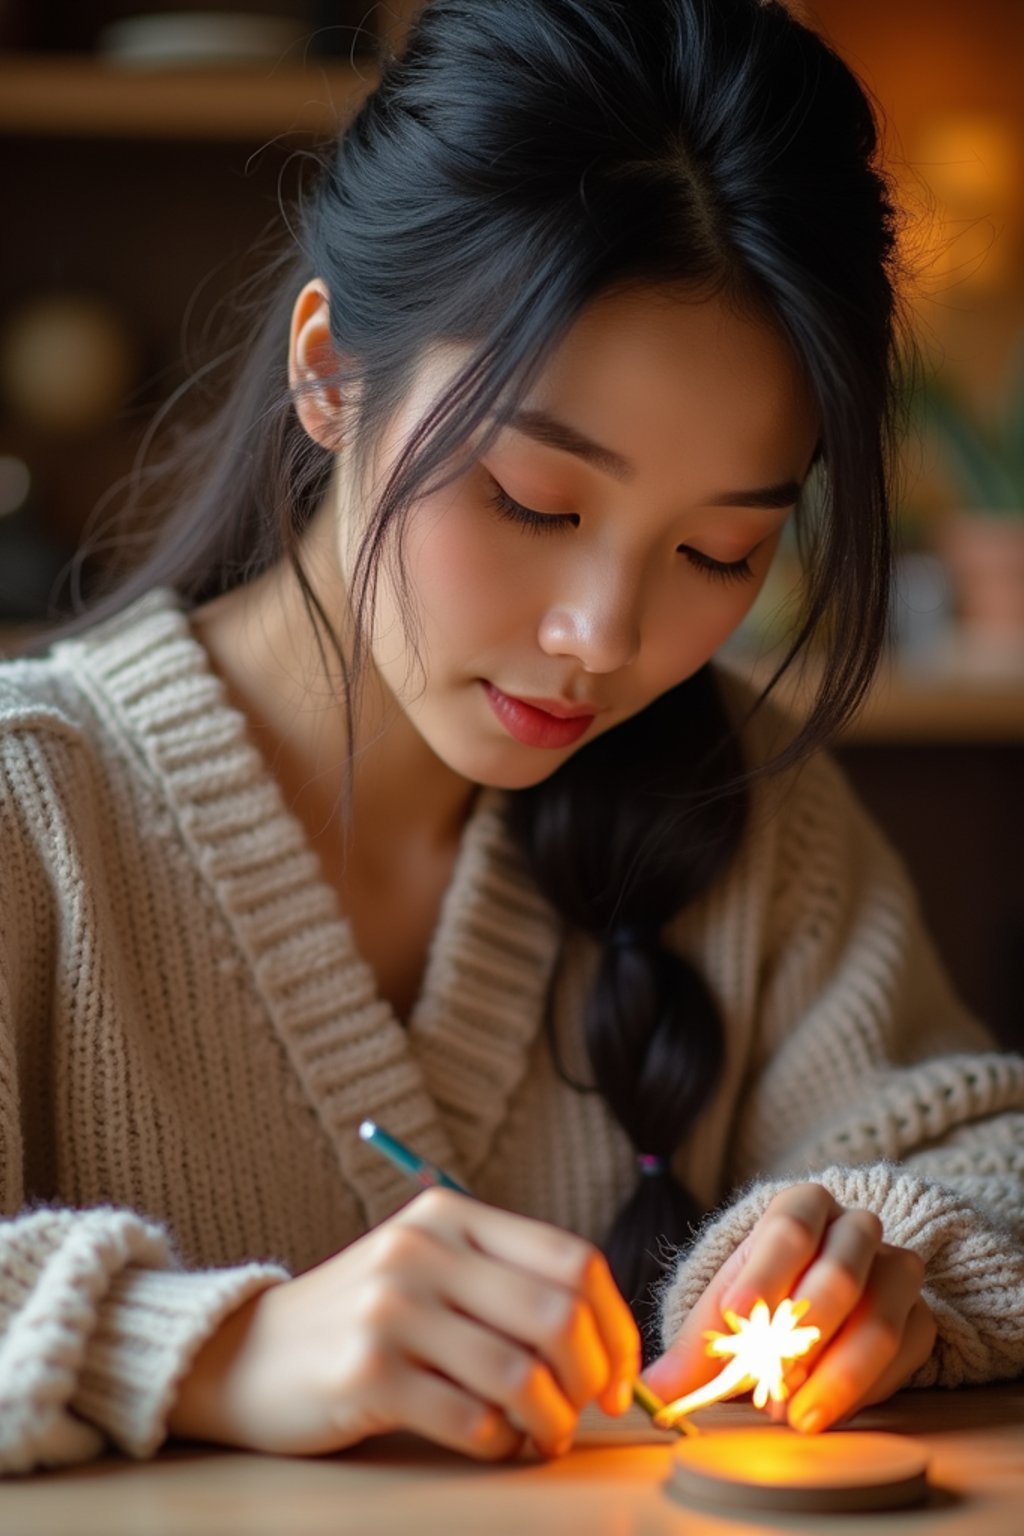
(189, 1039)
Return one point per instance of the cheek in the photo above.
(732, 601)
(694, 624)
(732, 608)
(461, 584)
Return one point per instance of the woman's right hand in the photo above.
(464, 1323)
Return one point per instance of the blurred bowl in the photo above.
(185, 39)
(67, 363)
(985, 552)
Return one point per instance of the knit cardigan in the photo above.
(189, 1039)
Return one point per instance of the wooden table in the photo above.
(611, 1484)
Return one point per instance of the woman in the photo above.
(400, 781)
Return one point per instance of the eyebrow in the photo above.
(552, 433)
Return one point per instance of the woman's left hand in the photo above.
(864, 1294)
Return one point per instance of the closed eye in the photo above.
(718, 570)
(534, 522)
(556, 522)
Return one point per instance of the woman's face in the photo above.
(655, 506)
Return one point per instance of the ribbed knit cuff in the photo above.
(151, 1325)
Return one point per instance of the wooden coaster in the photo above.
(775, 1468)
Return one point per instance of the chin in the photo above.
(500, 769)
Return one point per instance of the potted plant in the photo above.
(983, 542)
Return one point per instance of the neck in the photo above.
(261, 641)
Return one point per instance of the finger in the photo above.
(686, 1365)
(545, 1251)
(833, 1286)
(785, 1241)
(834, 1282)
(616, 1327)
(492, 1368)
(918, 1343)
(865, 1348)
(554, 1322)
(443, 1412)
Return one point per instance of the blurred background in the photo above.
(144, 152)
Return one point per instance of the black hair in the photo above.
(519, 159)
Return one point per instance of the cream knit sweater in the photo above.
(188, 1040)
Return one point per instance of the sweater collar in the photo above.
(444, 1084)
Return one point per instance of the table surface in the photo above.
(611, 1484)
(961, 693)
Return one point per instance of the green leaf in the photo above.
(1014, 420)
(987, 462)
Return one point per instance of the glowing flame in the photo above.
(762, 1346)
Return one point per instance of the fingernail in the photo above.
(624, 1396)
(810, 1420)
(563, 1447)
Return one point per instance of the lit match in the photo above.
(761, 1347)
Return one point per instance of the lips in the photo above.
(556, 707)
(539, 722)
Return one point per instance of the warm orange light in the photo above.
(965, 231)
(762, 1346)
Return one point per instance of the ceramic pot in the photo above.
(985, 553)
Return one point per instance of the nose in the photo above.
(598, 627)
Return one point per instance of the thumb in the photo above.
(686, 1363)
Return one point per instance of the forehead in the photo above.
(659, 375)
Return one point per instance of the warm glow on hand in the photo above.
(761, 1346)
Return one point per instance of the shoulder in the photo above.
(43, 720)
(48, 784)
(60, 727)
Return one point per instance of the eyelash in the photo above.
(551, 522)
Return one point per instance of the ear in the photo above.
(312, 362)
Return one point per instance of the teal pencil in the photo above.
(428, 1175)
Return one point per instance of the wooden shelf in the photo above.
(966, 695)
(901, 712)
(911, 710)
(71, 95)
